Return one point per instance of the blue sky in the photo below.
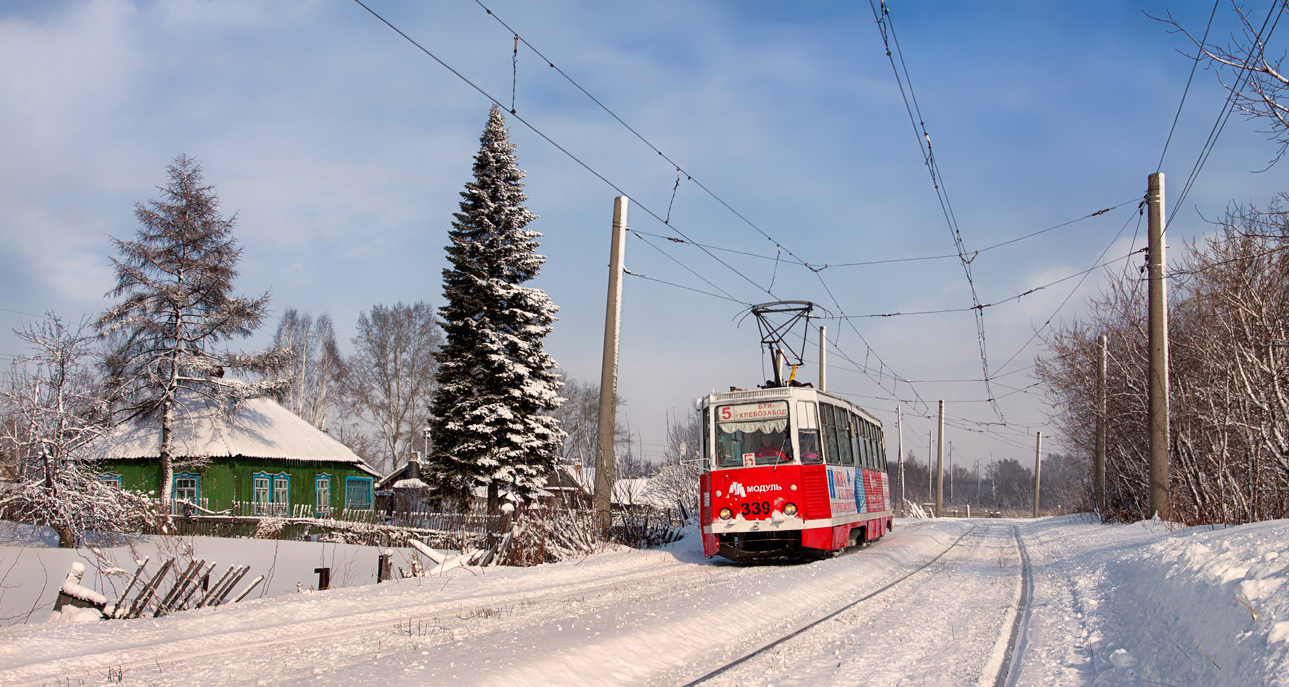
(342, 148)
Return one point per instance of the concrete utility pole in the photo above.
(1038, 469)
(1098, 466)
(929, 489)
(939, 465)
(951, 472)
(1158, 304)
(899, 431)
(609, 372)
(823, 355)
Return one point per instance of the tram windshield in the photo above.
(753, 434)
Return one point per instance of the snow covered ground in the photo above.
(1111, 605)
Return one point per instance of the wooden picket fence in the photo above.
(304, 522)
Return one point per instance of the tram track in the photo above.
(1001, 671)
(806, 628)
(1009, 671)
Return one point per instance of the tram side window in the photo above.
(881, 447)
(845, 436)
(861, 443)
(831, 454)
(870, 459)
(808, 433)
(879, 463)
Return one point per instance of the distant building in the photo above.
(403, 490)
(256, 452)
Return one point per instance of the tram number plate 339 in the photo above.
(756, 508)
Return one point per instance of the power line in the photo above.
(686, 288)
(887, 261)
(1228, 108)
(1017, 297)
(551, 141)
(708, 246)
(1186, 90)
(882, 369)
(887, 29)
(1048, 323)
(20, 312)
(724, 294)
(679, 170)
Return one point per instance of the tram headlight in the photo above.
(790, 509)
(726, 514)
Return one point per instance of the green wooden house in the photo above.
(254, 458)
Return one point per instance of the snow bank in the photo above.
(32, 569)
(1208, 606)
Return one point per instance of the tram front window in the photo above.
(753, 434)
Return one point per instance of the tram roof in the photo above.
(801, 393)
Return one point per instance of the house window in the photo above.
(281, 491)
(110, 479)
(261, 492)
(358, 493)
(322, 495)
(186, 488)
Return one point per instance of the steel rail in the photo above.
(1009, 671)
(826, 618)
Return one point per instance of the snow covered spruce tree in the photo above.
(176, 278)
(496, 384)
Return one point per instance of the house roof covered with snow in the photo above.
(254, 428)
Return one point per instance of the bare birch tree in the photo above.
(315, 369)
(391, 377)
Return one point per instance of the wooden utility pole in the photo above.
(609, 372)
(1038, 469)
(939, 465)
(823, 355)
(1098, 465)
(1158, 330)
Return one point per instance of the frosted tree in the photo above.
(1256, 80)
(55, 408)
(176, 282)
(491, 421)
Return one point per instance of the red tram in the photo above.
(788, 470)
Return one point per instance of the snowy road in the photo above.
(880, 638)
(669, 618)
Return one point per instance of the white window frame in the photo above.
(178, 494)
(322, 495)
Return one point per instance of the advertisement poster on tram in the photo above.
(861, 501)
(841, 490)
